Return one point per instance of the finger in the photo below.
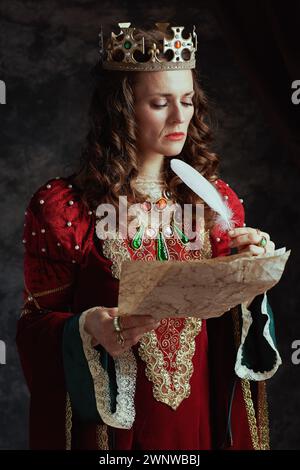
(131, 337)
(240, 231)
(132, 333)
(112, 311)
(116, 348)
(133, 321)
(247, 231)
(250, 238)
(253, 250)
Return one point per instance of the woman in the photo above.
(100, 383)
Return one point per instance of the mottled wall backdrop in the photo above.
(46, 51)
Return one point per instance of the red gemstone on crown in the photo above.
(177, 44)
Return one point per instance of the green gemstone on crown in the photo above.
(127, 44)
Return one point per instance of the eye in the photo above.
(159, 105)
(166, 104)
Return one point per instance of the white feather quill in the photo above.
(204, 189)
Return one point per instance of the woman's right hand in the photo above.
(99, 323)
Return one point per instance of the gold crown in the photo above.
(125, 52)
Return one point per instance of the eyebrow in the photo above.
(170, 94)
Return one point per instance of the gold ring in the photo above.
(117, 324)
(120, 339)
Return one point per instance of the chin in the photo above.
(173, 150)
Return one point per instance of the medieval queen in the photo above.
(101, 381)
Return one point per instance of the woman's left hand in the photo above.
(247, 240)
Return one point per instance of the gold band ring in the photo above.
(120, 339)
(117, 324)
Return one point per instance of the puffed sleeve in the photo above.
(257, 355)
(219, 238)
(57, 237)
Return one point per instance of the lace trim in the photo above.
(171, 389)
(102, 437)
(242, 370)
(126, 369)
(68, 423)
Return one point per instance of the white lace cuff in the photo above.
(257, 356)
(126, 370)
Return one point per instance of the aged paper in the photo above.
(199, 288)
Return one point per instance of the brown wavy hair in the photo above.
(109, 159)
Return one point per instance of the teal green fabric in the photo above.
(258, 355)
(78, 378)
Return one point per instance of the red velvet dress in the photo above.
(68, 270)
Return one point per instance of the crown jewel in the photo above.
(125, 52)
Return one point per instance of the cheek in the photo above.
(190, 115)
(149, 122)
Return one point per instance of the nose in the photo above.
(177, 114)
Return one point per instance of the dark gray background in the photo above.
(46, 51)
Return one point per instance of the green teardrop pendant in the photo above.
(183, 238)
(138, 238)
(162, 253)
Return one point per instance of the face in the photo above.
(163, 106)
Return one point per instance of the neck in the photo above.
(151, 168)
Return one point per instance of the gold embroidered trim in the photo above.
(170, 389)
(206, 251)
(102, 437)
(32, 296)
(250, 413)
(263, 416)
(116, 251)
(52, 291)
(259, 433)
(68, 423)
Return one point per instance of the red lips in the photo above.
(175, 134)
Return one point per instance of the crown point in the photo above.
(124, 25)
